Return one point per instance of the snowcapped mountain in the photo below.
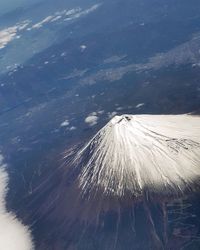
(134, 153)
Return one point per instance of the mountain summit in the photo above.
(133, 153)
(122, 185)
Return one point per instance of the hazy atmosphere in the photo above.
(99, 125)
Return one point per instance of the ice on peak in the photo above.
(132, 153)
(121, 118)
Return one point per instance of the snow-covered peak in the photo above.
(135, 153)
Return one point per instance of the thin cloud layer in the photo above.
(13, 234)
(10, 33)
(7, 35)
(66, 15)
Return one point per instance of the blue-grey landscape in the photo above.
(67, 70)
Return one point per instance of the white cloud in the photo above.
(7, 35)
(93, 113)
(63, 54)
(83, 47)
(66, 15)
(91, 119)
(13, 234)
(100, 112)
(91, 9)
(119, 108)
(79, 13)
(23, 25)
(139, 105)
(72, 128)
(56, 18)
(112, 114)
(10, 33)
(40, 24)
(3, 185)
(65, 123)
(72, 11)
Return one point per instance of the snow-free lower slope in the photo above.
(133, 153)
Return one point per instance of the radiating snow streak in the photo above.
(160, 153)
